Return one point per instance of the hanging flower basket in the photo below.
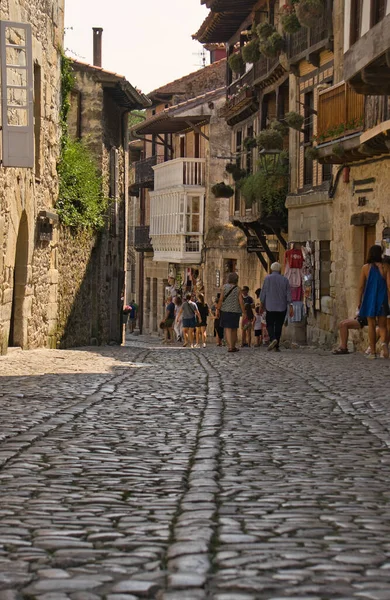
(221, 190)
(289, 19)
(236, 171)
(236, 63)
(251, 51)
(281, 127)
(309, 11)
(270, 139)
(249, 143)
(273, 45)
(265, 30)
(294, 120)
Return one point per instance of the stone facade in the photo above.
(92, 267)
(28, 266)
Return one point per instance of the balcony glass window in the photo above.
(193, 214)
(356, 20)
(378, 11)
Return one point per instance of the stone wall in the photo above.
(31, 303)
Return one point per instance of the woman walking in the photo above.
(230, 308)
(218, 330)
(189, 312)
(374, 294)
(204, 311)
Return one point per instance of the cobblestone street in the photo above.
(168, 473)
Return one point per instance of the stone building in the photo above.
(257, 95)
(31, 34)
(192, 244)
(354, 137)
(92, 266)
(328, 81)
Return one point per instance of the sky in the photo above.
(148, 41)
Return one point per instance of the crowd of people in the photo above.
(262, 319)
(186, 319)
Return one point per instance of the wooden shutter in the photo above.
(17, 94)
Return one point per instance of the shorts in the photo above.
(169, 322)
(258, 333)
(188, 323)
(362, 321)
(201, 324)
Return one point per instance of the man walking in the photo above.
(276, 297)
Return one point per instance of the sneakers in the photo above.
(204, 345)
(272, 345)
(371, 356)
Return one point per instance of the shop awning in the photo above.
(166, 123)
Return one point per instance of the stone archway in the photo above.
(18, 324)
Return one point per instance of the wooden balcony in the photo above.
(144, 174)
(306, 43)
(179, 172)
(340, 113)
(245, 80)
(142, 241)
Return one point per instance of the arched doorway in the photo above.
(18, 324)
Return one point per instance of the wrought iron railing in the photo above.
(142, 241)
(144, 174)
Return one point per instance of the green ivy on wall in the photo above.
(80, 203)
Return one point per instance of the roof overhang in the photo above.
(224, 20)
(166, 123)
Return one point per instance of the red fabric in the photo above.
(294, 258)
(296, 294)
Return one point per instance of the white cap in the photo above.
(276, 267)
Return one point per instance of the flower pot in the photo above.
(309, 11)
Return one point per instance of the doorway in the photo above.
(369, 239)
(18, 324)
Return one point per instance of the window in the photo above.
(308, 136)
(17, 116)
(37, 120)
(325, 268)
(193, 214)
(182, 146)
(378, 11)
(326, 172)
(249, 152)
(237, 195)
(356, 21)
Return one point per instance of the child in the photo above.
(257, 326)
(247, 323)
(264, 329)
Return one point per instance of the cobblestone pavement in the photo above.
(176, 474)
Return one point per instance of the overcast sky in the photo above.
(148, 41)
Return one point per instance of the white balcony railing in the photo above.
(179, 172)
(184, 249)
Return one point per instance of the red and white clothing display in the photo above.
(293, 270)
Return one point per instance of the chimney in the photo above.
(97, 46)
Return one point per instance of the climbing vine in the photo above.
(80, 203)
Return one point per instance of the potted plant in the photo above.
(294, 120)
(251, 51)
(264, 31)
(221, 190)
(309, 11)
(236, 63)
(312, 153)
(249, 143)
(272, 45)
(281, 127)
(289, 19)
(235, 171)
(270, 139)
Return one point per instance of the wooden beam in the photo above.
(197, 130)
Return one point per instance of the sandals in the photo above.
(233, 350)
(340, 351)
